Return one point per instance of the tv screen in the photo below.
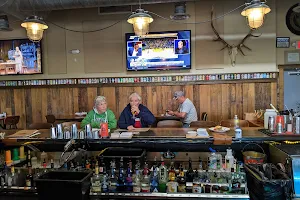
(159, 51)
(20, 56)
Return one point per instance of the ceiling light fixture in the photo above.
(140, 20)
(255, 12)
(35, 27)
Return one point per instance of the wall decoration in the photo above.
(233, 50)
(292, 19)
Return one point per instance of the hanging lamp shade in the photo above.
(35, 27)
(140, 21)
(255, 13)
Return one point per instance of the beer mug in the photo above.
(59, 129)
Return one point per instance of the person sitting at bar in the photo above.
(186, 111)
(100, 114)
(135, 115)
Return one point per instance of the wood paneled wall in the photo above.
(220, 101)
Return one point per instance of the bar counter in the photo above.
(157, 136)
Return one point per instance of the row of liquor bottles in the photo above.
(160, 178)
(149, 79)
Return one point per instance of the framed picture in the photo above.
(292, 57)
(282, 42)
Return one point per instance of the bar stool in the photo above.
(169, 124)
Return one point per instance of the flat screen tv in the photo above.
(159, 51)
(20, 56)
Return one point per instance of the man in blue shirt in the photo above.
(135, 50)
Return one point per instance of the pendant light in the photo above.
(255, 12)
(140, 21)
(35, 27)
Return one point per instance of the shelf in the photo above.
(170, 195)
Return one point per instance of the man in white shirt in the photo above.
(186, 110)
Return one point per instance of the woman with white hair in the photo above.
(100, 114)
(135, 115)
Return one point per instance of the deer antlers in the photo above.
(230, 48)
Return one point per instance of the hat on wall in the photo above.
(178, 94)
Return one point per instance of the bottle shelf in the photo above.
(171, 195)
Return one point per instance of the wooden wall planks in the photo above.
(220, 101)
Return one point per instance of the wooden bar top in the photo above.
(161, 135)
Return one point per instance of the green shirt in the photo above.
(95, 119)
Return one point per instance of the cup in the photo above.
(104, 130)
(74, 131)
(53, 133)
(88, 131)
(81, 135)
(60, 134)
(297, 125)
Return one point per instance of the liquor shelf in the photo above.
(95, 196)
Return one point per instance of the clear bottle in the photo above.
(121, 178)
(136, 182)
(44, 157)
(236, 121)
(238, 133)
(113, 180)
(200, 164)
(128, 180)
(154, 179)
(145, 183)
(213, 161)
(95, 180)
(29, 178)
(229, 160)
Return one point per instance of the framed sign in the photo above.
(282, 42)
(292, 57)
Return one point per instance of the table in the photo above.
(70, 118)
(9, 65)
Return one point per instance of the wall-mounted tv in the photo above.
(20, 56)
(159, 51)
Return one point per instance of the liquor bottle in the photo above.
(136, 181)
(145, 184)
(44, 166)
(163, 177)
(200, 164)
(121, 178)
(11, 177)
(128, 180)
(113, 180)
(172, 172)
(95, 180)
(189, 177)
(154, 179)
(181, 180)
(36, 175)
(93, 162)
(29, 178)
(29, 159)
(52, 164)
(172, 185)
(87, 164)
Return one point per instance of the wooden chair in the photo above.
(230, 123)
(169, 124)
(202, 124)
(40, 126)
(11, 121)
(69, 124)
(50, 119)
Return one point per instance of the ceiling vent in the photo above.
(4, 24)
(180, 12)
(114, 10)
